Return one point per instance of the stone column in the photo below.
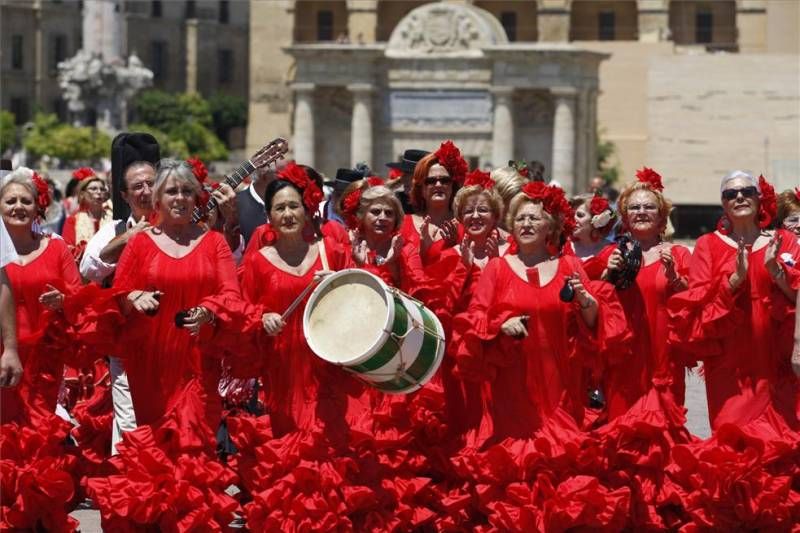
(503, 126)
(304, 123)
(553, 20)
(361, 127)
(564, 137)
(362, 21)
(192, 53)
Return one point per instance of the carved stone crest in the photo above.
(445, 29)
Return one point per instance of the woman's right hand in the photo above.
(360, 255)
(273, 323)
(426, 235)
(615, 260)
(516, 327)
(145, 301)
(740, 274)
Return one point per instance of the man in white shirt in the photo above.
(10, 366)
(99, 263)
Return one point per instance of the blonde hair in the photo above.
(380, 193)
(507, 182)
(788, 203)
(463, 194)
(664, 205)
(556, 225)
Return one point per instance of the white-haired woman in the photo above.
(737, 316)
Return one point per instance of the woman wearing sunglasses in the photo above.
(434, 184)
(738, 314)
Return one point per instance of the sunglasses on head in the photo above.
(747, 192)
(444, 180)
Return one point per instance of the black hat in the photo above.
(408, 161)
(344, 177)
(127, 148)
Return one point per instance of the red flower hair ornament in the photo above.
(449, 156)
(201, 174)
(352, 201)
(797, 193)
(601, 212)
(650, 177)
(394, 173)
(480, 178)
(554, 202)
(83, 173)
(42, 192)
(297, 176)
(768, 203)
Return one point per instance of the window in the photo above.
(191, 9)
(703, 27)
(224, 12)
(59, 51)
(605, 25)
(158, 60)
(17, 56)
(19, 106)
(224, 66)
(325, 25)
(155, 8)
(509, 21)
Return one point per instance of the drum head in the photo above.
(346, 317)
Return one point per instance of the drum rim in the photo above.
(384, 337)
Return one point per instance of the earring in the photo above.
(724, 225)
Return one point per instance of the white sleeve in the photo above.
(92, 267)
(8, 253)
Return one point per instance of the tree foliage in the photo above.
(48, 136)
(8, 130)
(608, 169)
(228, 112)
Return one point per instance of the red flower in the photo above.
(350, 205)
(598, 205)
(198, 169)
(651, 177)
(395, 173)
(42, 192)
(768, 205)
(312, 197)
(83, 173)
(374, 181)
(269, 236)
(797, 193)
(554, 202)
(294, 173)
(479, 178)
(450, 158)
(203, 197)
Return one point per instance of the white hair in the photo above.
(22, 176)
(738, 174)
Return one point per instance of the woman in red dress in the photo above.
(789, 211)
(644, 212)
(527, 344)
(436, 179)
(178, 288)
(92, 214)
(37, 471)
(594, 220)
(738, 319)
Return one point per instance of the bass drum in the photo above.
(383, 336)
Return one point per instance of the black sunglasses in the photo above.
(443, 180)
(747, 192)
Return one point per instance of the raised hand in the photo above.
(449, 232)
(52, 299)
(615, 260)
(516, 327)
(467, 251)
(426, 234)
(395, 250)
(771, 256)
(582, 295)
(360, 251)
(665, 255)
(738, 277)
(492, 245)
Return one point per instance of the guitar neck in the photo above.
(233, 179)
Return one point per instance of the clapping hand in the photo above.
(740, 274)
(449, 232)
(771, 255)
(52, 299)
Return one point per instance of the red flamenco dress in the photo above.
(166, 472)
(411, 235)
(745, 475)
(36, 470)
(313, 463)
(529, 466)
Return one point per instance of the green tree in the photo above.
(228, 112)
(8, 130)
(175, 148)
(200, 141)
(48, 136)
(606, 151)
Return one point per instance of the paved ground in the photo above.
(697, 423)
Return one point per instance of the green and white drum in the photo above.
(386, 338)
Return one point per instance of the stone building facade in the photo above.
(693, 88)
(199, 46)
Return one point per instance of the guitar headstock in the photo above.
(269, 153)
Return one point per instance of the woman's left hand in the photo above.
(493, 244)
(582, 295)
(449, 232)
(665, 255)
(53, 299)
(771, 256)
(395, 249)
(198, 316)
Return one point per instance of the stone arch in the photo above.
(445, 30)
